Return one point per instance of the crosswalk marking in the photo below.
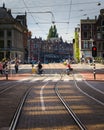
(67, 79)
(34, 79)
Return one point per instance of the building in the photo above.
(13, 39)
(92, 34)
(54, 50)
(100, 34)
(88, 36)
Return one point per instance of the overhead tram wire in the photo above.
(64, 4)
(48, 12)
(69, 16)
(32, 15)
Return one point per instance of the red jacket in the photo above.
(68, 66)
(1, 66)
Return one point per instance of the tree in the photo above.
(52, 32)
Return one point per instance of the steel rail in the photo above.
(11, 86)
(17, 114)
(18, 111)
(70, 111)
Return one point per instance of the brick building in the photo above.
(92, 33)
(53, 50)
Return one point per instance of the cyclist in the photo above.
(39, 66)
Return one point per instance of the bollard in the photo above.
(94, 70)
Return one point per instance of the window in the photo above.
(102, 28)
(103, 36)
(98, 35)
(8, 54)
(90, 45)
(98, 29)
(1, 33)
(102, 22)
(9, 34)
(85, 35)
(85, 45)
(1, 43)
(8, 44)
(85, 27)
(99, 46)
(1, 55)
(103, 46)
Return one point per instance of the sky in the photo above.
(65, 14)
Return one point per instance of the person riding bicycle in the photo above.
(68, 68)
(39, 66)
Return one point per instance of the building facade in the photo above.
(49, 50)
(88, 36)
(92, 34)
(12, 35)
(100, 34)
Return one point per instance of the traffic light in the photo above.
(94, 51)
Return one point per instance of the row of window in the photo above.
(2, 33)
(91, 26)
(88, 35)
(9, 44)
(88, 45)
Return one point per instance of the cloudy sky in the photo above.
(65, 13)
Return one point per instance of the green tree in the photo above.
(52, 32)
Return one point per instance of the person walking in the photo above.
(16, 67)
(6, 72)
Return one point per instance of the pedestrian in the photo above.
(6, 72)
(4, 66)
(16, 67)
(39, 67)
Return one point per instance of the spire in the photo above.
(3, 5)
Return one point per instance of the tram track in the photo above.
(19, 109)
(87, 93)
(70, 111)
(5, 86)
(11, 96)
(67, 107)
(64, 101)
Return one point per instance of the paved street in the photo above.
(43, 109)
(25, 70)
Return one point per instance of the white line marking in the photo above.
(93, 87)
(86, 93)
(41, 96)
